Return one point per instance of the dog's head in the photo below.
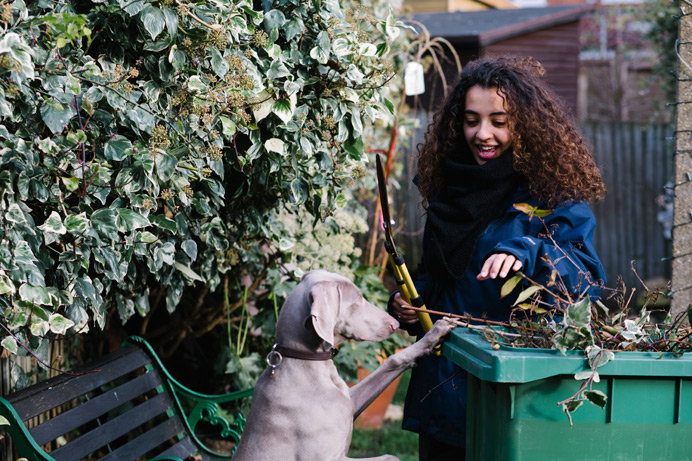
(335, 309)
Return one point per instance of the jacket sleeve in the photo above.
(564, 243)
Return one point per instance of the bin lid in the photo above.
(469, 350)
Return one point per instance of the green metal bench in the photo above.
(125, 406)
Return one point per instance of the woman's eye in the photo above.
(471, 122)
(499, 123)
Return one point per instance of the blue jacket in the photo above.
(435, 380)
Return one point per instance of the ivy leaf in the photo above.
(219, 63)
(598, 398)
(53, 224)
(59, 324)
(228, 127)
(579, 314)
(341, 47)
(163, 222)
(56, 116)
(128, 220)
(10, 344)
(171, 21)
(115, 148)
(284, 108)
(275, 145)
(190, 248)
(77, 224)
(6, 285)
(13, 45)
(274, 19)
(34, 294)
(189, 273)
(103, 221)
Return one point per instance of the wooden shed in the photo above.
(548, 34)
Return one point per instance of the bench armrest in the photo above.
(205, 406)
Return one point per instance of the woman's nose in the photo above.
(483, 133)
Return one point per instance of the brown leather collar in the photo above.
(305, 355)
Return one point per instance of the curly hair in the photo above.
(547, 148)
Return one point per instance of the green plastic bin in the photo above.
(512, 411)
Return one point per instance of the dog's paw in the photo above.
(440, 329)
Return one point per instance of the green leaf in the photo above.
(59, 324)
(171, 21)
(116, 147)
(598, 398)
(34, 294)
(355, 147)
(284, 108)
(277, 70)
(6, 284)
(163, 222)
(16, 49)
(53, 224)
(579, 314)
(71, 184)
(275, 145)
(583, 375)
(274, 19)
(526, 294)
(128, 220)
(10, 344)
(103, 221)
(189, 273)
(219, 63)
(228, 128)
(153, 20)
(56, 116)
(510, 284)
(77, 224)
(190, 248)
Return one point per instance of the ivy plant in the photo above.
(153, 148)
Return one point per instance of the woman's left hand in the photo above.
(499, 264)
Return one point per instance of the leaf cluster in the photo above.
(151, 146)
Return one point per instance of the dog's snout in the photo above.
(393, 323)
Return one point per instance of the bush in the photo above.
(152, 149)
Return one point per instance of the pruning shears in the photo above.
(401, 274)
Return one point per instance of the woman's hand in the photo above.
(400, 311)
(499, 264)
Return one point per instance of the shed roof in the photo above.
(490, 26)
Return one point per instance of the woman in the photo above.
(501, 138)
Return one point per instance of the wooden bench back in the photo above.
(118, 408)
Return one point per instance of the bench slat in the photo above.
(183, 449)
(149, 441)
(93, 408)
(113, 429)
(33, 401)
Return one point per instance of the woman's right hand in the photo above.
(400, 311)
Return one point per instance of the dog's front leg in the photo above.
(363, 393)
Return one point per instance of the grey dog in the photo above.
(302, 410)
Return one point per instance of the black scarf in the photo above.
(472, 196)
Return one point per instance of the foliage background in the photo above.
(171, 168)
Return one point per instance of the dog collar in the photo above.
(275, 357)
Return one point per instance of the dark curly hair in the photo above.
(548, 150)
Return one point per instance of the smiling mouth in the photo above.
(486, 151)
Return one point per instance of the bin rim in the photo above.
(472, 352)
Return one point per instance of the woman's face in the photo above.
(485, 124)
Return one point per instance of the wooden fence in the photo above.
(636, 161)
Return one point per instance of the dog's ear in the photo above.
(324, 309)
